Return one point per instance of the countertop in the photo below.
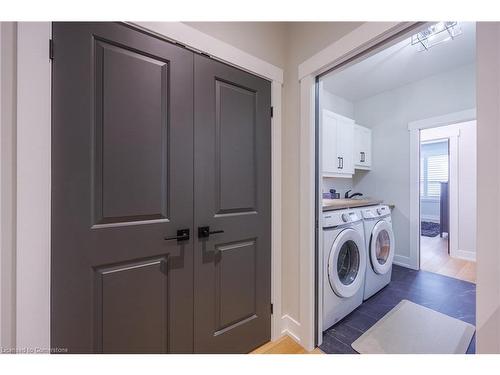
(337, 204)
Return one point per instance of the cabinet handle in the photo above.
(341, 163)
(339, 166)
(362, 157)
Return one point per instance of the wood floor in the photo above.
(434, 258)
(284, 345)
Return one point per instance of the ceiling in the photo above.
(400, 65)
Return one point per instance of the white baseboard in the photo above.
(290, 327)
(403, 261)
(466, 255)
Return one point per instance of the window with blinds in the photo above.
(433, 171)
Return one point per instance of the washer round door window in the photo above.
(382, 247)
(346, 263)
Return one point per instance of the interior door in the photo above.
(232, 251)
(122, 165)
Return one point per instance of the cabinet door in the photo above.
(345, 145)
(358, 146)
(367, 146)
(329, 144)
(362, 147)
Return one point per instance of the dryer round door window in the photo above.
(346, 263)
(382, 247)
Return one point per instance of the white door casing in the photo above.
(414, 127)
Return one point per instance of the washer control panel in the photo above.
(335, 218)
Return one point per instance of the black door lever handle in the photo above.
(204, 232)
(182, 235)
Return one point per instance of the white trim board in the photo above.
(352, 44)
(466, 255)
(448, 119)
(404, 261)
(34, 177)
(291, 328)
(197, 40)
(33, 185)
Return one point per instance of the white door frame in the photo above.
(33, 186)
(34, 172)
(366, 39)
(414, 128)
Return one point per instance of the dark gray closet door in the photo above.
(232, 194)
(122, 165)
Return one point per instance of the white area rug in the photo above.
(410, 328)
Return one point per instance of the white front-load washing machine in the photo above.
(344, 264)
(379, 246)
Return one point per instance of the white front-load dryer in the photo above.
(344, 264)
(380, 248)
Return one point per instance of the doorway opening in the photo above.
(372, 118)
(447, 200)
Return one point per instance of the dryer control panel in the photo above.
(375, 212)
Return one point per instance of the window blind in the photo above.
(433, 171)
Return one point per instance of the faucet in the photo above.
(347, 196)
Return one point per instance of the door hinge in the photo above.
(272, 111)
(272, 309)
(51, 49)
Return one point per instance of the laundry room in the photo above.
(395, 132)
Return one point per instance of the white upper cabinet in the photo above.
(337, 145)
(362, 147)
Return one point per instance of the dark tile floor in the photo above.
(447, 295)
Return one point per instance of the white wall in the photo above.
(488, 188)
(335, 103)
(467, 194)
(340, 184)
(304, 39)
(388, 115)
(265, 40)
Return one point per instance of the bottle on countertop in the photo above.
(334, 194)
